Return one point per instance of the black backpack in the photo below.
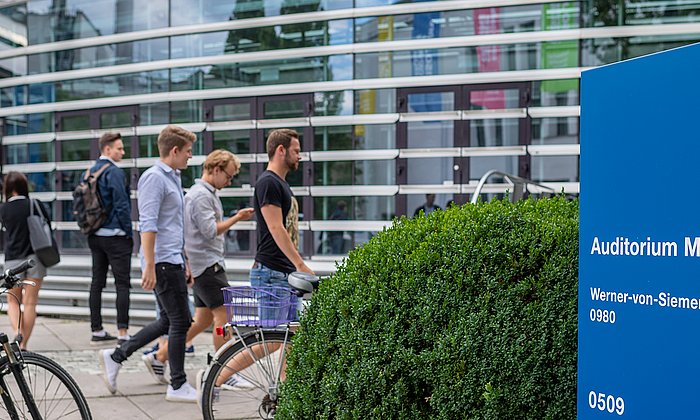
(88, 210)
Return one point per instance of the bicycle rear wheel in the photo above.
(55, 392)
(260, 359)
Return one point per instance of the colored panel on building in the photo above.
(559, 54)
(487, 21)
(639, 266)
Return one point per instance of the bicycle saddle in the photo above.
(303, 282)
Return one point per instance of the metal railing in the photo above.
(519, 186)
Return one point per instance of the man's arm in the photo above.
(121, 202)
(150, 191)
(243, 214)
(148, 272)
(273, 219)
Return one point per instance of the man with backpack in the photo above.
(108, 225)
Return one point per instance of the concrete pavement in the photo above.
(139, 397)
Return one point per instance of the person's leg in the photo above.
(30, 299)
(207, 293)
(172, 297)
(14, 302)
(147, 334)
(220, 319)
(202, 320)
(120, 261)
(99, 280)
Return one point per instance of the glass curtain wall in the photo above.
(371, 153)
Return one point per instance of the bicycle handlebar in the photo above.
(10, 275)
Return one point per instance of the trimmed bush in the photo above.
(467, 313)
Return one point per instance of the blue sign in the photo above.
(639, 265)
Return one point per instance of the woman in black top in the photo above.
(13, 216)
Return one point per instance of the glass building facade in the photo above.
(392, 99)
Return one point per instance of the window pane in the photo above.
(555, 92)
(430, 170)
(148, 146)
(555, 169)
(293, 70)
(118, 119)
(186, 112)
(430, 134)
(234, 141)
(237, 241)
(368, 172)
(12, 67)
(75, 150)
(190, 174)
(188, 12)
(73, 239)
(153, 114)
(109, 86)
(417, 202)
(494, 99)
(99, 56)
(478, 166)
(14, 23)
(75, 122)
(41, 181)
(232, 112)
(50, 21)
(333, 103)
(284, 109)
(561, 130)
(29, 153)
(13, 96)
(70, 179)
(375, 136)
(642, 12)
(356, 208)
(375, 101)
(15, 125)
(40, 123)
(495, 132)
(297, 35)
(334, 138)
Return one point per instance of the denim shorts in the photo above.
(263, 276)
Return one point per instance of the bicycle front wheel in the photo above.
(244, 381)
(55, 392)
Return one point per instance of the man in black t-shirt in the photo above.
(277, 212)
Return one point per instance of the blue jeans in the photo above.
(263, 276)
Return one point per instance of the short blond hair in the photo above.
(174, 136)
(221, 158)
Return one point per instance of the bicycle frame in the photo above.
(15, 364)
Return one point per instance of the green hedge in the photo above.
(467, 313)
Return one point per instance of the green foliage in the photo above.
(467, 313)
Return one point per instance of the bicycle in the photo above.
(261, 324)
(33, 386)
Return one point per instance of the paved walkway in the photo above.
(68, 342)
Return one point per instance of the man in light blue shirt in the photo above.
(204, 229)
(163, 264)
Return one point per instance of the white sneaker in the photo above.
(110, 369)
(236, 382)
(185, 394)
(155, 367)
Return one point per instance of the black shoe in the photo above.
(100, 339)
